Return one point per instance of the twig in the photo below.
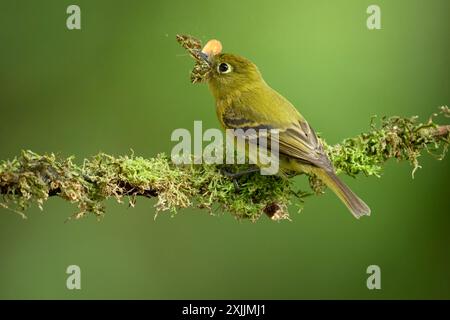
(32, 178)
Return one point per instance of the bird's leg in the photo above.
(235, 175)
(239, 173)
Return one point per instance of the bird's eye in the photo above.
(224, 68)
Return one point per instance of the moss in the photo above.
(193, 46)
(394, 137)
(32, 178)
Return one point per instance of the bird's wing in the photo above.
(296, 138)
(299, 141)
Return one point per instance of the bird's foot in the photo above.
(235, 175)
(238, 174)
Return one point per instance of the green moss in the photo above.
(395, 137)
(32, 178)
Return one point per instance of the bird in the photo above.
(244, 100)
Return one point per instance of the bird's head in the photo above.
(229, 72)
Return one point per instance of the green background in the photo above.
(122, 82)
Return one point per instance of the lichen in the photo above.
(32, 178)
(395, 137)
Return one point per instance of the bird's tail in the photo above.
(356, 206)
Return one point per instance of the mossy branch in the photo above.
(32, 178)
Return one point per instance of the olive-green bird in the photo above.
(244, 100)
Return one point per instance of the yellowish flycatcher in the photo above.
(244, 100)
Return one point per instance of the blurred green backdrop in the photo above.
(122, 82)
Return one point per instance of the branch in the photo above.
(32, 178)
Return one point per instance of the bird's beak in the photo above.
(212, 48)
(205, 57)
